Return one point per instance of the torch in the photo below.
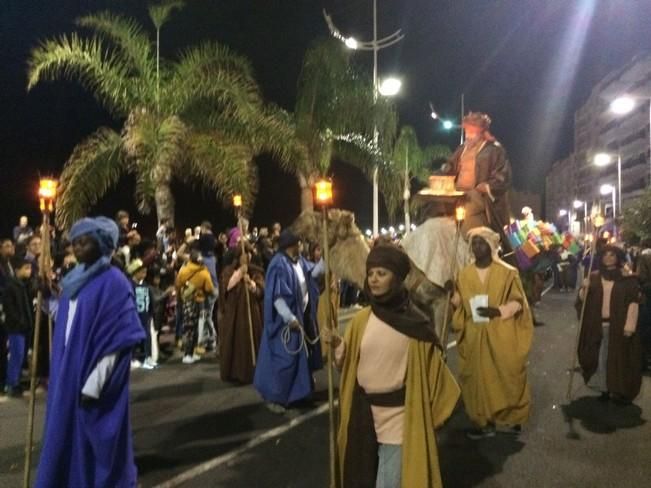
(237, 203)
(47, 192)
(323, 190)
(459, 217)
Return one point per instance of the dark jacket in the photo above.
(491, 166)
(19, 315)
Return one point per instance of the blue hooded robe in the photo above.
(281, 377)
(90, 445)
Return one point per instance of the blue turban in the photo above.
(105, 232)
(102, 229)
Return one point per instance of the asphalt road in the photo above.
(185, 421)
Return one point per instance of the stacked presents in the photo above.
(529, 239)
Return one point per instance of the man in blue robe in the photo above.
(87, 438)
(290, 350)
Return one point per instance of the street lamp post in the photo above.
(577, 204)
(375, 46)
(604, 159)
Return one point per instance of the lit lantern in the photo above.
(460, 213)
(47, 192)
(324, 192)
(237, 200)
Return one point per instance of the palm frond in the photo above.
(160, 13)
(212, 72)
(127, 35)
(222, 165)
(95, 165)
(91, 63)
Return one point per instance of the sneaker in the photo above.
(481, 433)
(196, 357)
(188, 360)
(135, 364)
(275, 407)
(509, 429)
(147, 366)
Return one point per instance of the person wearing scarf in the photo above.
(87, 436)
(495, 329)
(481, 169)
(395, 389)
(289, 350)
(609, 346)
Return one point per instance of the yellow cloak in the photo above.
(431, 395)
(493, 355)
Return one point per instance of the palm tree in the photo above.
(200, 118)
(335, 116)
(409, 161)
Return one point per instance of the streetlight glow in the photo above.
(622, 105)
(351, 43)
(602, 159)
(577, 204)
(562, 212)
(434, 115)
(448, 125)
(606, 189)
(390, 87)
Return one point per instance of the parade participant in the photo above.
(7, 251)
(290, 350)
(395, 388)
(193, 284)
(609, 348)
(239, 278)
(87, 436)
(483, 171)
(495, 328)
(19, 322)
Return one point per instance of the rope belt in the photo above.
(286, 335)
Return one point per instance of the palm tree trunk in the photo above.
(164, 203)
(307, 197)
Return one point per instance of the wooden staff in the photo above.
(578, 330)
(331, 325)
(246, 287)
(44, 261)
(459, 217)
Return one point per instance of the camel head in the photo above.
(348, 249)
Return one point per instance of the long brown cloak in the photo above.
(235, 361)
(624, 369)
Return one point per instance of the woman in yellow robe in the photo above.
(421, 394)
(493, 339)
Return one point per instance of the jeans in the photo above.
(16, 357)
(389, 469)
(3, 356)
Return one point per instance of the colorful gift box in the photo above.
(524, 263)
(514, 240)
(530, 249)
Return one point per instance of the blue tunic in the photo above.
(281, 377)
(91, 445)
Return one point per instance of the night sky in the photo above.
(528, 63)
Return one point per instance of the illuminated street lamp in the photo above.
(448, 125)
(604, 159)
(351, 43)
(623, 105)
(390, 87)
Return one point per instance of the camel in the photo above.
(430, 248)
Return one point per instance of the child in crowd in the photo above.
(145, 308)
(19, 320)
